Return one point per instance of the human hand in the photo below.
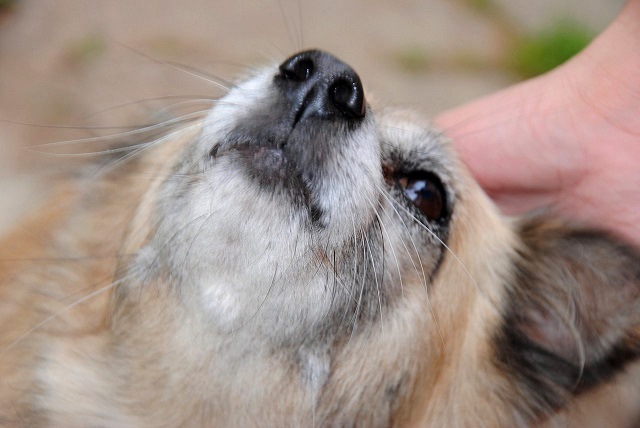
(568, 140)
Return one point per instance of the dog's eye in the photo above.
(426, 192)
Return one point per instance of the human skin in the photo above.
(567, 141)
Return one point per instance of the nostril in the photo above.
(298, 68)
(318, 84)
(342, 92)
(347, 96)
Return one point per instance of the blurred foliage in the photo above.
(531, 55)
(528, 55)
(87, 49)
(524, 54)
(7, 6)
(413, 59)
(481, 5)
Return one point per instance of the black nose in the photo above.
(321, 85)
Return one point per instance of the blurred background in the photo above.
(99, 64)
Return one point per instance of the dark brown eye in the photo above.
(425, 191)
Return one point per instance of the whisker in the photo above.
(159, 126)
(290, 32)
(361, 293)
(64, 259)
(208, 102)
(74, 127)
(195, 71)
(144, 147)
(393, 251)
(56, 314)
(95, 153)
(390, 199)
(214, 80)
(375, 278)
(453, 254)
(354, 270)
(149, 100)
(300, 25)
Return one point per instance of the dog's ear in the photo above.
(572, 318)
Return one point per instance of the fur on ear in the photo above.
(572, 318)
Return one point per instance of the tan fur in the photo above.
(76, 352)
(75, 347)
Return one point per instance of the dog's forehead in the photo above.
(405, 130)
(410, 143)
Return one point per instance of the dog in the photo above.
(299, 255)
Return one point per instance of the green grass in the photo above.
(531, 55)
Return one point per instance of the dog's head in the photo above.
(312, 257)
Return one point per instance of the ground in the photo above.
(64, 62)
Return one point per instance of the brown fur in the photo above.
(77, 352)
